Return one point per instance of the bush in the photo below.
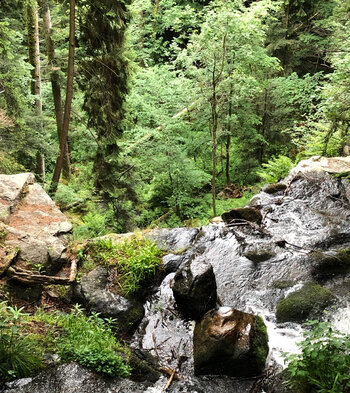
(276, 169)
(324, 362)
(9, 166)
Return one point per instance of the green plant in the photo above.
(135, 260)
(19, 356)
(276, 169)
(88, 340)
(324, 362)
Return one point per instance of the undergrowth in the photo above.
(87, 340)
(323, 366)
(134, 260)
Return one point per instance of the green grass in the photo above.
(134, 260)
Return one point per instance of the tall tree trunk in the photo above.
(69, 97)
(263, 128)
(214, 139)
(35, 86)
(228, 140)
(55, 85)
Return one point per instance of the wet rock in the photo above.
(309, 301)
(194, 289)
(175, 239)
(274, 188)
(73, 378)
(276, 383)
(331, 264)
(249, 214)
(259, 253)
(92, 293)
(230, 342)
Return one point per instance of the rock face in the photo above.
(194, 289)
(230, 342)
(32, 221)
(93, 293)
(72, 378)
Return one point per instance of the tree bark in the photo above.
(214, 136)
(228, 140)
(35, 86)
(68, 103)
(55, 84)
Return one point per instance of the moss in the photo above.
(282, 284)
(260, 346)
(309, 301)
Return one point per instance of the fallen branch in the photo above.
(28, 277)
(170, 380)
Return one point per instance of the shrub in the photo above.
(324, 362)
(276, 169)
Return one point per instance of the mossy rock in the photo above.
(274, 187)
(307, 302)
(249, 214)
(260, 254)
(282, 284)
(327, 266)
(260, 346)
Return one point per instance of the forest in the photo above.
(144, 121)
(146, 113)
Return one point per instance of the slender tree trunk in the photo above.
(55, 85)
(263, 128)
(69, 97)
(214, 136)
(228, 140)
(35, 87)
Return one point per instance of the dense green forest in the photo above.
(145, 113)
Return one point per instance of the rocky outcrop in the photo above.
(230, 342)
(194, 289)
(33, 223)
(72, 378)
(93, 293)
(173, 240)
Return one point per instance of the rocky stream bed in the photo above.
(291, 242)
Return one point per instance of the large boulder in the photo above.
(33, 223)
(194, 289)
(93, 293)
(305, 303)
(230, 342)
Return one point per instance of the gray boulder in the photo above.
(194, 288)
(93, 293)
(230, 342)
(72, 378)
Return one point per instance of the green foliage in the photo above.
(9, 166)
(19, 354)
(324, 362)
(276, 169)
(88, 340)
(135, 260)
